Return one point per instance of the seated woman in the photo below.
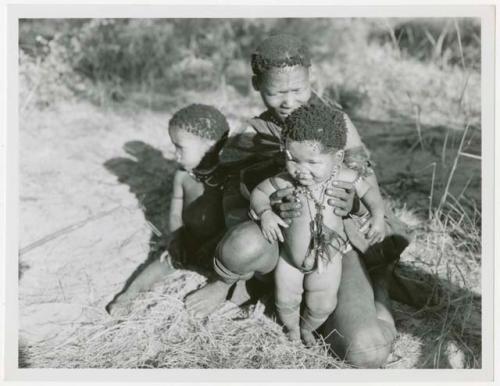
(363, 318)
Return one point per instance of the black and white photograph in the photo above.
(250, 193)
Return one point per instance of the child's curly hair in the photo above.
(317, 122)
(201, 120)
(280, 51)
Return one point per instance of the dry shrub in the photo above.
(399, 89)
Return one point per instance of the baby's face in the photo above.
(308, 163)
(189, 148)
(284, 89)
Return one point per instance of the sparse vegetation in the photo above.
(96, 166)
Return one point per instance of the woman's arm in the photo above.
(176, 202)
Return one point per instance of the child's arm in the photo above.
(176, 203)
(260, 203)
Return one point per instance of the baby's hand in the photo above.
(376, 234)
(270, 224)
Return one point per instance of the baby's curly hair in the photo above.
(280, 51)
(317, 122)
(202, 120)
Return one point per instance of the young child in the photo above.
(197, 132)
(315, 242)
(196, 221)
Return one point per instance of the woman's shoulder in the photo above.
(265, 123)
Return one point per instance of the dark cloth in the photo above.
(187, 252)
(398, 237)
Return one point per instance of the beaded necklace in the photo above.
(316, 252)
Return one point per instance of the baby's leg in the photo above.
(320, 298)
(289, 283)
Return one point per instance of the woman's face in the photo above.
(308, 163)
(284, 89)
(189, 148)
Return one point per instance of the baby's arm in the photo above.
(375, 204)
(260, 203)
(354, 145)
(176, 203)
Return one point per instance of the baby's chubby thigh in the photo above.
(297, 239)
(321, 288)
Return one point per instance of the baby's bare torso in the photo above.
(299, 234)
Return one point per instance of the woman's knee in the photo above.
(370, 348)
(242, 247)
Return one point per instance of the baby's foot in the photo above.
(307, 337)
(293, 335)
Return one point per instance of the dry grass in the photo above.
(159, 333)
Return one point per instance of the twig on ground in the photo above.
(65, 231)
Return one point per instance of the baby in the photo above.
(313, 245)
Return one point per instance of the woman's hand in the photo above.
(285, 204)
(270, 224)
(341, 197)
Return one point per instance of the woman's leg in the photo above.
(288, 296)
(320, 298)
(354, 331)
(242, 252)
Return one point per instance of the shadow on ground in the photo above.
(149, 177)
(442, 315)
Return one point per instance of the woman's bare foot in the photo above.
(307, 337)
(240, 293)
(207, 299)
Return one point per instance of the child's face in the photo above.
(189, 148)
(284, 89)
(308, 163)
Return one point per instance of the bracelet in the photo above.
(256, 216)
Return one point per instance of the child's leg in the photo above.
(289, 283)
(143, 280)
(320, 297)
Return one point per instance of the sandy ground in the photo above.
(85, 203)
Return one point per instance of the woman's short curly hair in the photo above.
(202, 120)
(280, 51)
(317, 122)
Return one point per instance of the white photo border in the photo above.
(16, 12)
